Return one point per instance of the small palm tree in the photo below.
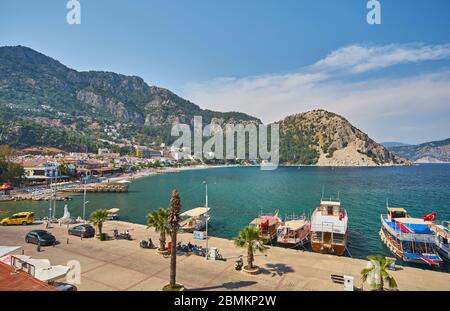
(98, 217)
(249, 238)
(377, 271)
(174, 223)
(159, 221)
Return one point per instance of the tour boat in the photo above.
(194, 219)
(268, 225)
(410, 239)
(329, 228)
(293, 232)
(442, 238)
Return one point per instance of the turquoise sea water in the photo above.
(236, 196)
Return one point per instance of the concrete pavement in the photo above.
(123, 265)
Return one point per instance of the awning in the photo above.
(7, 259)
(51, 273)
(4, 250)
(196, 212)
(39, 263)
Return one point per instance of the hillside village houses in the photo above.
(40, 166)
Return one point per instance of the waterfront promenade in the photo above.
(122, 265)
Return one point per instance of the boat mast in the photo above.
(207, 219)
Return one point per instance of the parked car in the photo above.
(25, 218)
(64, 287)
(41, 237)
(84, 231)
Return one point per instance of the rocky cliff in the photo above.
(324, 138)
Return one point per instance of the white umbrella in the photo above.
(51, 273)
(5, 250)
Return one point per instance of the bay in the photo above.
(238, 194)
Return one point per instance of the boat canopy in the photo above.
(330, 203)
(295, 224)
(195, 212)
(258, 221)
(415, 221)
(113, 210)
(396, 209)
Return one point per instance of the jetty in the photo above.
(97, 188)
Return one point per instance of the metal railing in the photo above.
(328, 227)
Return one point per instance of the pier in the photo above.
(97, 188)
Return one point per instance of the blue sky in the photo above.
(267, 58)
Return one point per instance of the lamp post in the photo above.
(50, 200)
(207, 218)
(84, 201)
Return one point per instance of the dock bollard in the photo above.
(67, 241)
(23, 252)
(38, 248)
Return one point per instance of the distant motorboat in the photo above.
(124, 181)
(113, 214)
(194, 219)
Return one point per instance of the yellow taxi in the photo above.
(25, 218)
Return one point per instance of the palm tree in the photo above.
(159, 221)
(378, 271)
(174, 223)
(98, 218)
(249, 238)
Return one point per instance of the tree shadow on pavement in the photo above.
(276, 269)
(227, 285)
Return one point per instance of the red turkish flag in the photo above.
(430, 217)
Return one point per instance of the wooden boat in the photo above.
(294, 232)
(267, 225)
(442, 238)
(410, 239)
(194, 219)
(329, 228)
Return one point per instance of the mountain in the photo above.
(431, 152)
(44, 103)
(324, 138)
(390, 144)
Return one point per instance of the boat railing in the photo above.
(328, 227)
(414, 237)
(294, 217)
